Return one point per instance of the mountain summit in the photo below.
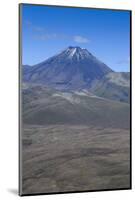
(76, 53)
(73, 68)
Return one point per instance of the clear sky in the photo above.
(48, 30)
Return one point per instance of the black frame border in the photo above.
(20, 193)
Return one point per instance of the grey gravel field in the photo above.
(63, 158)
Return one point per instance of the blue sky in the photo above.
(48, 30)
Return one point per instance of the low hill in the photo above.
(42, 105)
(114, 85)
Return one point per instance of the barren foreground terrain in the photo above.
(60, 158)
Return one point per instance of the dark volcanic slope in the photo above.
(114, 85)
(44, 106)
(73, 68)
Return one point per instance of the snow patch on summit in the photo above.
(73, 52)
